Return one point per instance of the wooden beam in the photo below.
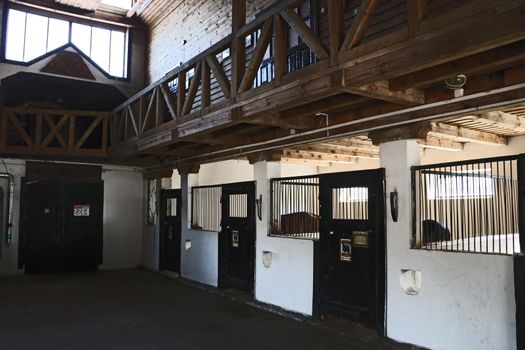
(192, 92)
(280, 47)
(159, 107)
(283, 121)
(339, 150)
(206, 85)
(170, 101)
(20, 129)
(336, 28)
(417, 11)
(353, 143)
(406, 132)
(481, 63)
(381, 91)
(88, 132)
(71, 133)
(309, 162)
(238, 46)
(503, 120)
(320, 157)
(305, 33)
(131, 116)
(360, 24)
(148, 122)
(138, 7)
(219, 74)
(181, 91)
(462, 134)
(440, 45)
(55, 130)
(258, 54)
(441, 144)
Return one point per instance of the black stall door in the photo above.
(61, 226)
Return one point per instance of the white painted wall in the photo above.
(466, 300)
(123, 213)
(9, 259)
(516, 145)
(224, 172)
(288, 282)
(201, 261)
(122, 218)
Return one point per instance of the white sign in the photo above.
(81, 210)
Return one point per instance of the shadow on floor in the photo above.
(134, 309)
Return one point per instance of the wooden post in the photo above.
(181, 92)
(3, 135)
(335, 17)
(280, 47)
(417, 11)
(206, 85)
(238, 44)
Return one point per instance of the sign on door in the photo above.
(81, 210)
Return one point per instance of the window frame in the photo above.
(71, 19)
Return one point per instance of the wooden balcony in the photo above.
(356, 69)
(54, 133)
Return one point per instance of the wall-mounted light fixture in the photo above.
(456, 83)
(258, 207)
(394, 209)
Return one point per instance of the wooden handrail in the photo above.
(214, 49)
(274, 9)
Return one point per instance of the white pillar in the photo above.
(397, 157)
(187, 181)
(263, 172)
(288, 281)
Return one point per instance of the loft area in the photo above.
(287, 77)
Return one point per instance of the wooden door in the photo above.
(170, 230)
(61, 226)
(351, 244)
(237, 237)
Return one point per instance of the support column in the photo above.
(263, 172)
(397, 157)
(286, 280)
(187, 181)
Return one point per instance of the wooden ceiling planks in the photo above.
(90, 5)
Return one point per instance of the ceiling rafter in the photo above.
(462, 134)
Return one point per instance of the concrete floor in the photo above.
(135, 309)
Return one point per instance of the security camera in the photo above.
(456, 82)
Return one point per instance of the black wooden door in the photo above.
(82, 225)
(43, 240)
(61, 226)
(237, 237)
(352, 254)
(170, 230)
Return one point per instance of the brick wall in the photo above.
(190, 28)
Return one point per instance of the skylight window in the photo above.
(123, 4)
(30, 36)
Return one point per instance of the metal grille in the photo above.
(238, 205)
(206, 208)
(295, 207)
(350, 203)
(171, 207)
(469, 206)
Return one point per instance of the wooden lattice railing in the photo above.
(54, 132)
(219, 75)
(248, 75)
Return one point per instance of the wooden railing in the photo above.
(54, 132)
(226, 74)
(218, 74)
